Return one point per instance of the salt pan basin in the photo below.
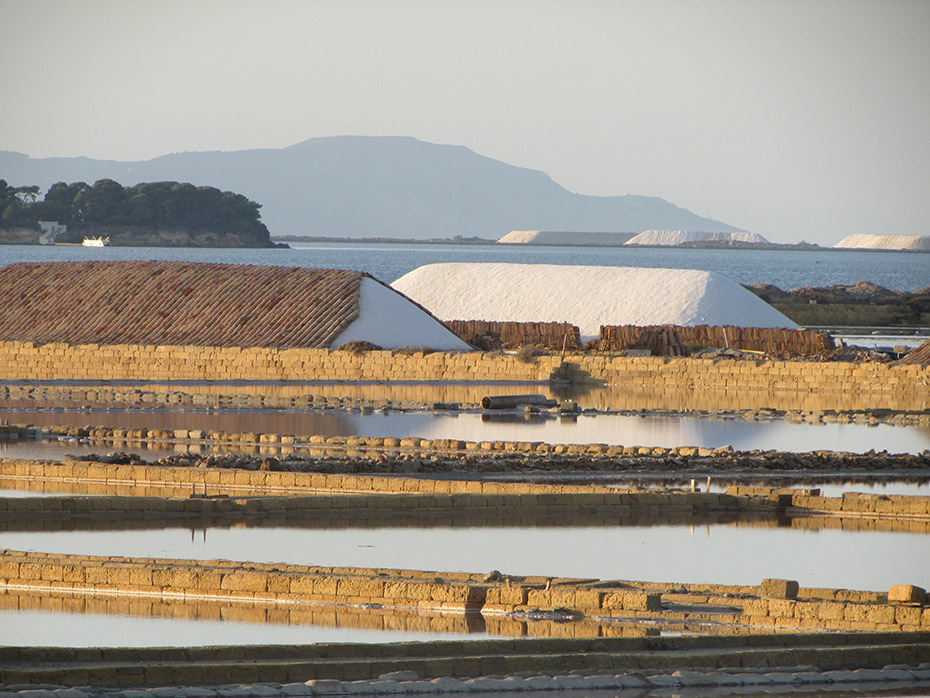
(666, 431)
(741, 553)
(63, 629)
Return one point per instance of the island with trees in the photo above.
(158, 214)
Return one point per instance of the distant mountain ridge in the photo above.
(364, 186)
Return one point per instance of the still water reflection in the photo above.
(716, 553)
(50, 629)
(616, 397)
(646, 430)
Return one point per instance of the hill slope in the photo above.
(358, 186)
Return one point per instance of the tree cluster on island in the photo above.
(154, 205)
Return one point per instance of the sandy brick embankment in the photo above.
(29, 361)
(553, 665)
(775, 603)
(445, 492)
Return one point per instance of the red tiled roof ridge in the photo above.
(176, 303)
(918, 355)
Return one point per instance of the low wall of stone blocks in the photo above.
(241, 581)
(850, 503)
(432, 493)
(697, 662)
(455, 592)
(218, 479)
(339, 509)
(29, 361)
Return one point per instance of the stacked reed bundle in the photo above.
(508, 335)
(765, 339)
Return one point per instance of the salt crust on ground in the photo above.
(391, 321)
(885, 242)
(586, 296)
(677, 237)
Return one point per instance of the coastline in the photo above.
(779, 247)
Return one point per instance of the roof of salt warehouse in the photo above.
(182, 303)
(586, 296)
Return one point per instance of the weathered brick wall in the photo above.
(25, 360)
(28, 361)
(451, 591)
(858, 503)
(465, 493)
(339, 616)
(218, 479)
(732, 374)
(239, 580)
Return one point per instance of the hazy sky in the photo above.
(805, 119)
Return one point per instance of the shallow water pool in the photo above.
(647, 430)
(742, 553)
(76, 629)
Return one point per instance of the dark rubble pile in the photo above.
(862, 292)
(114, 458)
(720, 462)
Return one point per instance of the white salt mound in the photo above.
(391, 321)
(864, 241)
(520, 237)
(558, 237)
(678, 237)
(586, 296)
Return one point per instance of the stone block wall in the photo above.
(29, 361)
(630, 665)
(241, 581)
(451, 592)
(464, 493)
(331, 490)
(762, 375)
(850, 503)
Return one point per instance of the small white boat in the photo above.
(96, 242)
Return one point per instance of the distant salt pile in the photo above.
(586, 296)
(564, 237)
(672, 238)
(864, 241)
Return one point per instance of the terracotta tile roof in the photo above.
(918, 355)
(176, 303)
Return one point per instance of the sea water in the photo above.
(787, 269)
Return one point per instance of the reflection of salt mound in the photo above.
(585, 296)
(866, 241)
(558, 237)
(679, 237)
